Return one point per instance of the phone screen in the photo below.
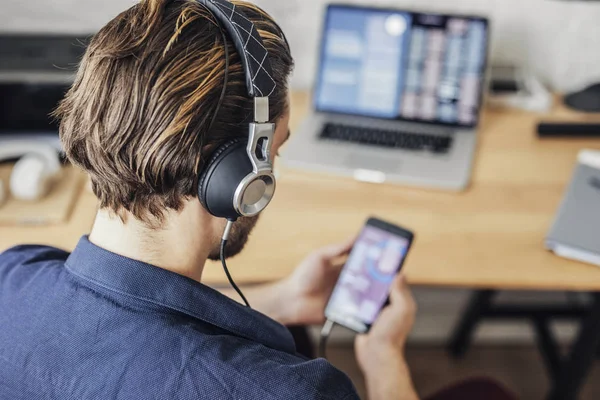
(363, 287)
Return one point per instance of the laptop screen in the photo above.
(402, 65)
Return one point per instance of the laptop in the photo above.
(397, 99)
(576, 229)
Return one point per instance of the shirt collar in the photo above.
(164, 288)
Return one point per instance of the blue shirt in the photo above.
(96, 325)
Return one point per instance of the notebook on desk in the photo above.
(575, 233)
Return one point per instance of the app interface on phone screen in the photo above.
(364, 283)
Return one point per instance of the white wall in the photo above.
(559, 40)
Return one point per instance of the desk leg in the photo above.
(547, 346)
(574, 370)
(478, 305)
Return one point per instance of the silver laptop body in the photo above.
(375, 163)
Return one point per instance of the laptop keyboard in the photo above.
(387, 138)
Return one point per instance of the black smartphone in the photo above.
(362, 289)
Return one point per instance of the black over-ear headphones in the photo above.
(238, 180)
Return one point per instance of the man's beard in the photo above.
(237, 238)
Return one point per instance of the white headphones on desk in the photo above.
(38, 166)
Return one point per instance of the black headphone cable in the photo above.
(230, 223)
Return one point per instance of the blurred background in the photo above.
(551, 37)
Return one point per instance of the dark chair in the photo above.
(475, 389)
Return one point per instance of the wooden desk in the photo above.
(65, 235)
(490, 236)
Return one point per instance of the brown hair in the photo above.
(138, 115)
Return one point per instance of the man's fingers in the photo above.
(396, 288)
(337, 250)
(400, 292)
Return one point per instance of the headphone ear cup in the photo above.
(221, 177)
(206, 170)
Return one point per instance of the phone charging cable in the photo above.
(325, 332)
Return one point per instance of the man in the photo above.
(125, 316)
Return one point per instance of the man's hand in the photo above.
(300, 299)
(309, 287)
(380, 353)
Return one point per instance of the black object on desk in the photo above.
(587, 100)
(568, 130)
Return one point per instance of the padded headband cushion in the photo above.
(228, 166)
(249, 45)
(207, 169)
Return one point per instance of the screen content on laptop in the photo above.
(402, 65)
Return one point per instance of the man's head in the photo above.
(139, 117)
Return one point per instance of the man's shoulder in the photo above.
(256, 371)
(321, 380)
(30, 254)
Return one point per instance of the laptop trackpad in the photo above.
(376, 163)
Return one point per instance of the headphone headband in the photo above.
(249, 45)
(239, 180)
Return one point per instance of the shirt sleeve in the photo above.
(322, 381)
(264, 373)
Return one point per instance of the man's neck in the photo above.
(180, 246)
